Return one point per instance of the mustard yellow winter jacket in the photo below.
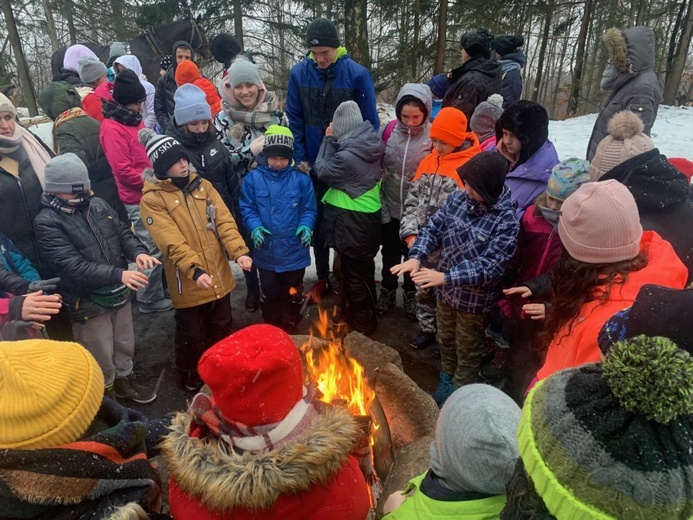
(194, 230)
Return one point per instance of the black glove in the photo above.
(46, 286)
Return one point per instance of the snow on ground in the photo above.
(672, 132)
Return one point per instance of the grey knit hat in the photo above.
(190, 105)
(66, 174)
(243, 71)
(117, 50)
(347, 118)
(475, 446)
(483, 121)
(91, 69)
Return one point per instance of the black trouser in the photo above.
(357, 290)
(393, 251)
(197, 329)
(320, 248)
(283, 296)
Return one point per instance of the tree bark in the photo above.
(22, 68)
(542, 53)
(442, 35)
(50, 22)
(579, 60)
(415, 43)
(238, 23)
(673, 80)
(356, 31)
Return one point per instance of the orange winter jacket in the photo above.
(187, 72)
(579, 345)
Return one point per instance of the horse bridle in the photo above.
(155, 44)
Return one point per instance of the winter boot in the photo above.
(127, 388)
(386, 300)
(423, 340)
(410, 304)
(444, 390)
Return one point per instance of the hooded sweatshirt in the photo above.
(630, 80)
(130, 61)
(187, 72)
(511, 72)
(404, 150)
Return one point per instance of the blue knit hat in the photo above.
(191, 105)
(439, 85)
(566, 177)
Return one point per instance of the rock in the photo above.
(411, 413)
(412, 460)
(371, 354)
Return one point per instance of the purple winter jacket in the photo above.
(528, 180)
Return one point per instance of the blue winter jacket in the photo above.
(281, 201)
(476, 243)
(314, 94)
(511, 65)
(15, 262)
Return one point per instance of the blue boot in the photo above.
(444, 390)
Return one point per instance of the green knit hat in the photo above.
(279, 142)
(614, 440)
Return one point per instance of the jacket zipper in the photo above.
(204, 230)
(179, 282)
(401, 180)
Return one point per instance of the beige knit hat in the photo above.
(6, 105)
(600, 223)
(625, 140)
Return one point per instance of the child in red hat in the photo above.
(260, 446)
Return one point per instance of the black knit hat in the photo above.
(224, 48)
(477, 42)
(656, 311)
(164, 151)
(529, 121)
(485, 173)
(322, 33)
(128, 89)
(181, 43)
(506, 43)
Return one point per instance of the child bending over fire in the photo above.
(261, 446)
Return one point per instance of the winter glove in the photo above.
(257, 145)
(47, 286)
(504, 308)
(258, 236)
(305, 234)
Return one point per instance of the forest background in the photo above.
(399, 41)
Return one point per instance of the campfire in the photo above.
(341, 381)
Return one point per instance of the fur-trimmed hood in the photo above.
(221, 479)
(631, 50)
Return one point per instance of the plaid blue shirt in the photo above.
(476, 244)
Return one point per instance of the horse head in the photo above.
(199, 39)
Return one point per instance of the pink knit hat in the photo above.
(600, 223)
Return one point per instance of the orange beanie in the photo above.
(187, 72)
(449, 126)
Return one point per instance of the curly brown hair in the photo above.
(522, 500)
(576, 283)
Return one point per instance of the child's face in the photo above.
(277, 163)
(246, 94)
(179, 169)
(135, 107)
(441, 147)
(554, 204)
(197, 127)
(472, 193)
(511, 142)
(411, 116)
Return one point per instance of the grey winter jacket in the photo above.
(630, 80)
(404, 150)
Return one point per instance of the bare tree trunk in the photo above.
(50, 22)
(70, 22)
(542, 53)
(415, 43)
(579, 60)
(673, 80)
(238, 22)
(442, 34)
(356, 31)
(22, 68)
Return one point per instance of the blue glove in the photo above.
(305, 234)
(258, 235)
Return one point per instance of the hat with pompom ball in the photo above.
(614, 440)
(163, 150)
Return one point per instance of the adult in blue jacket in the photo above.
(317, 86)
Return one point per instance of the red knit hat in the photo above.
(450, 126)
(187, 72)
(255, 375)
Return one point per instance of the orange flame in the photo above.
(293, 291)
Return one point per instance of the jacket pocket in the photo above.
(179, 281)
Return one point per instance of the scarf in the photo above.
(64, 117)
(263, 115)
(121, 114)
(38, 155)
(89, 478)
(208, 419)
(65, 206)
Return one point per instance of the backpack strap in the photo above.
(388, 130)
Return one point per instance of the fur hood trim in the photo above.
(625, 125)
(617, 46)
(210, 471)
(131, 511)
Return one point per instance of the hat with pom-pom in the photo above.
(255, 375)
(614, 440)
(625, 139)
(164, 151)
(483, 120)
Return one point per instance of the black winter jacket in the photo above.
(163, 99)
(663, 196)
(471, 83)
(89, 249)
(511, 73)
